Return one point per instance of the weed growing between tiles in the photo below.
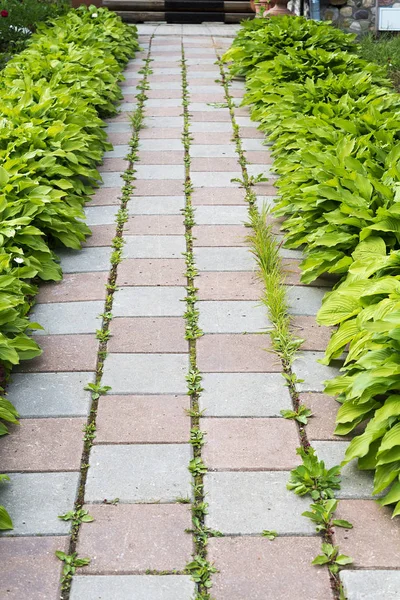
(79, 515)
(199, 568)
(311, 477)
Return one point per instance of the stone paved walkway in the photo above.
(141, 451)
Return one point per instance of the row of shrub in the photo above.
(53, 96)
(334, 121)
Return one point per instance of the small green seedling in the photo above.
(322, 515)
(71, 563)
(97, 390)
(301, 414)
(330, 556)
(313, 478)
(77, 516)
(271, 535)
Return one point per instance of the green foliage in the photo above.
(322, 513)
(333, 119)
(384, 50)
(71, 563)
(77, 516)
(330, 556)
(301, 414)
(271, 535)
(313, 478)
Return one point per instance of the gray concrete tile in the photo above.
(121, 587)
(119, 151)
(312, 372)
(85, 260)
(217, 179)
(212, 73)
(355, 483)
(212, 151)
(160, 172)
(163, 102)
(139, 473)
(130, 89)
(153, 205)
(221, 215)
(371, 584)
(232, 316)
(256, 501)
(206, 107)
(224, 259)
(161, 144)
(50, 394)
(163, 122)
(149, 302)
(304, 300)
(266, 201)
(153, 246)
(244, 395)
(171, 85)
(211, 127)
(127, 106)
(256, 169)
(201, 61)
(287, 253)
(250, 144)
(68, 317)
(146, 373)
(112, 180)
(34, 501)
(100, 215)
(245, 121)
(119, 127)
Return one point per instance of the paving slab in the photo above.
(160, 145)
(153, 246)
(323, 422)
(142, 419)
(74, 287)
(107, 196)
(149, 301)
(119, 151)
(155, 225)
(76, 352)
(155, 172)
(232, 317)
(221, 215)
(121, 587)
(256, 501)
(50, 394)
(68, 317)
(139, 473)
(147, 334)
(141, 271)
(224, 259)
(244, 395)
(316, 337)
(214, 151)
(24, 560)
(307, 367)
(146, 373)
(151, 205)
(101, 236)
(231, 353)
(171, 157)
(217, 195)
(34, 501)
(219, 235)
(229, 285)
(100, 215)
(256, 568)
(211, 179)
(87, 259)
(371, 584)
(304, 300)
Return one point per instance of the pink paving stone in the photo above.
(242, 111)
(113, 164)
(147, 334)
(173, 157)
(207, 138)
(30, 569)
(266, 189)
(157, 133)
(322, 424)
(167, 111)
(374, 540)
(153, 537)
(119, 138)
(150, 271)
(155, 225)
(250, 444)
(208, 68)
(74, 287)
(163, 78)
(162, 94)
(128, 98)
(254, 568)
(212, 196)
(106, 197)
(215, 97)
(220, 235)
(238, 285)
(76, 352)
(236, 353)
(122, 117)
(207, 117)
(259, 157)
(102, 235)
(158, 187)
(142, 419)
(315, 336)
(214, 164)
(193, 81)
(43, 445)
(251, 133)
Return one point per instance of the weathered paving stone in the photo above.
(163, 121)
(149, 302)
(43, 445)
(373, 543)
(147, 334)
(219, 235)
(316, 337)
(118, 151)
(63, 353)
(218, 195)
(106, 196)
(149, 205)
(168, 133)
(244, 395)
(256, 501)
(68, 317)
(50, 394)
(208, 137)
(157, 103)
(170, 157)
(312, 372)
(161, 145)
(215, 117)
(74, 287)
(34, 501)
(139, 473)
(162, 271)
(229, 353)
(213, 164)
(221, 215)
(113, 165)
(211, 179)
(215, 151)
(24, 561)
(100, 215)
(232, 317)
(146, 373)
(250, 444)
(155, 225)
(154, 538)
(304, 300)
(82, 261)
(354, 483)
(253, 144)
(229, 285)
(146, 587)
(101, 235)
(173, 85)
(224, 259)
(371, 584)
(323, 422)
(156, 419)
(119, 127)
(155, 172)
(249, 567)
(153, 246)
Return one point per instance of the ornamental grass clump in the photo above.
(334, 122)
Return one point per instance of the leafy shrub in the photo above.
(334, 121)
(52, 96)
